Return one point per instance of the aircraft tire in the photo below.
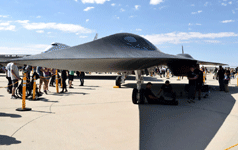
(134, 96)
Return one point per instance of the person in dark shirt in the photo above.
(199, 81)
(64, 78)
(192, 77)
(221, 76)
(226, 81)
(167, 90)
(150, 97)
(81, 77)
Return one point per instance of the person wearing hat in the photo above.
(167, 90)
(192, 77)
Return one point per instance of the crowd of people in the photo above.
(45, 75)
(196, 83)
(47, 78)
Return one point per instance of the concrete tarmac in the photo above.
(98, 116)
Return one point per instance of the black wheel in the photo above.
(134, 96)
(118, 81)
(19, 92)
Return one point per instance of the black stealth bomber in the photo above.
(115, 53)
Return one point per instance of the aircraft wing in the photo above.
(118, 52)
(211, 63)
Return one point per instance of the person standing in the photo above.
(14, 77)
(46, 78)
(81, 77)
(192, 77)
(220, 75)
(226, 81)
(8, 76)
(64, 78)
(199, 81)
(71, 78)
(42, 79)
(52, 78)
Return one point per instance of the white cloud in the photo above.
(40, 31)
(94, 1)
(113, 4)
(138, 29)
(48, 32)
(83, 37)
(38, 17)
(198, 12)
(88, 8)
(233, 12)
(223, 4)
(182, 37)
(137, 7)
(192, 5)
(122, 10)
(230, 2)
(28, 49)
(76, 0)
(87, 20)
(73, 28)
(227, 21)
(132, 16)
(212, 41)
(4, 16)
(7, 26)
(117, 17)
(206, 4)
(155, 2)
(197, 24)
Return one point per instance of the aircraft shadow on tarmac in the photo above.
(7, 140)
(186, 126)
(113, 77)
(9, 115)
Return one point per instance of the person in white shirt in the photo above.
(8, 76)
(14, 77)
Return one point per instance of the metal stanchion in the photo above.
(237, 78)
(34, 88)
(167, 75)
(56, 81)
(23, 108)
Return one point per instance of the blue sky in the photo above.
(208, 30)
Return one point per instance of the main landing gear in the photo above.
(138, 93)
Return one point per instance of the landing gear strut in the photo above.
(138, 93)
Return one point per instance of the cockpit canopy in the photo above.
(55, 46)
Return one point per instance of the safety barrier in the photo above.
(23, 108)
(231, 147)
(34, 89)
(237, 78)
(56, 81)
